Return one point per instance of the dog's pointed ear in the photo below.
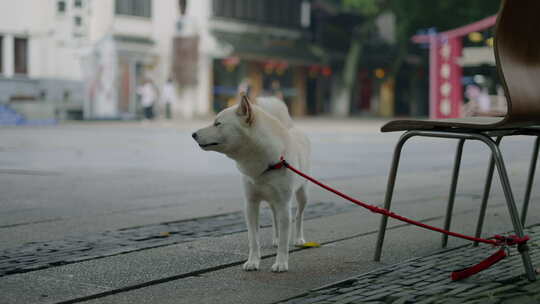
(244, 108)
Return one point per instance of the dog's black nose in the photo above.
(194, 135)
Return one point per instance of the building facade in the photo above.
(260, 46)
(84, 56)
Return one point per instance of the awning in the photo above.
(134, 39)
(266, 47)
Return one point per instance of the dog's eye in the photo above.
(217, 123)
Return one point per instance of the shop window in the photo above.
(78, 3)
(21, 56)
(139, 8)
(183, 7)
(77, 20)
(61, 6)
(285, 13)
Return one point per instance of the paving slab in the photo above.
(204, 291)
(405, 282)
(345, 252)
(348, 241)
(320, 266)
(112, 273)
(42, 289)
(412, 202)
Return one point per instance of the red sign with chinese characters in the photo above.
(446, 75)
(445, 88)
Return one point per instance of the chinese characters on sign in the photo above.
(448, 93)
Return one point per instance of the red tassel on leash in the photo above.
(467, 272)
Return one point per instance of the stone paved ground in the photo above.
(78, 248)
(427, 280)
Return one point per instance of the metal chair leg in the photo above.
(499, 162)
(452, 194)
(389, 193)
(485, 196)
(512, 209)
(530, 181)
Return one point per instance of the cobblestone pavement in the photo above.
(427, 280)
(40, 255)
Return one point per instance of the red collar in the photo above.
(282, 163)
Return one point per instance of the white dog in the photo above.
(256, 136)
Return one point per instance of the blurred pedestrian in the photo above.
(471, 108)
(148, 94)
(479, 101)
(484, 101)
(168, 97)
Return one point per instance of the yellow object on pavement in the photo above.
(309, 245)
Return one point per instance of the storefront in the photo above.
(264, 66)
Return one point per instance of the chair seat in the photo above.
(480, 123)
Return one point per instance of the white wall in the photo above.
(196, 100)
(53, 50)
(23, 18)
(133, 26)
(165, 15)
(101, 19)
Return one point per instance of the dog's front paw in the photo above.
(251, 265)
(280, 267)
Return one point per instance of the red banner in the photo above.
(446, 74)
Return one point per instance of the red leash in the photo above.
(497, 240)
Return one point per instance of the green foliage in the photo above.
(440, 14)
(363, 7)
(413, 15)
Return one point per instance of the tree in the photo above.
(370, 10)
(411, 16)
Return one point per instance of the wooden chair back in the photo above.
(517, 54)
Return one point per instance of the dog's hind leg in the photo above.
(275, 230)
(283, 215)
(301, 200)
(252, 220)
